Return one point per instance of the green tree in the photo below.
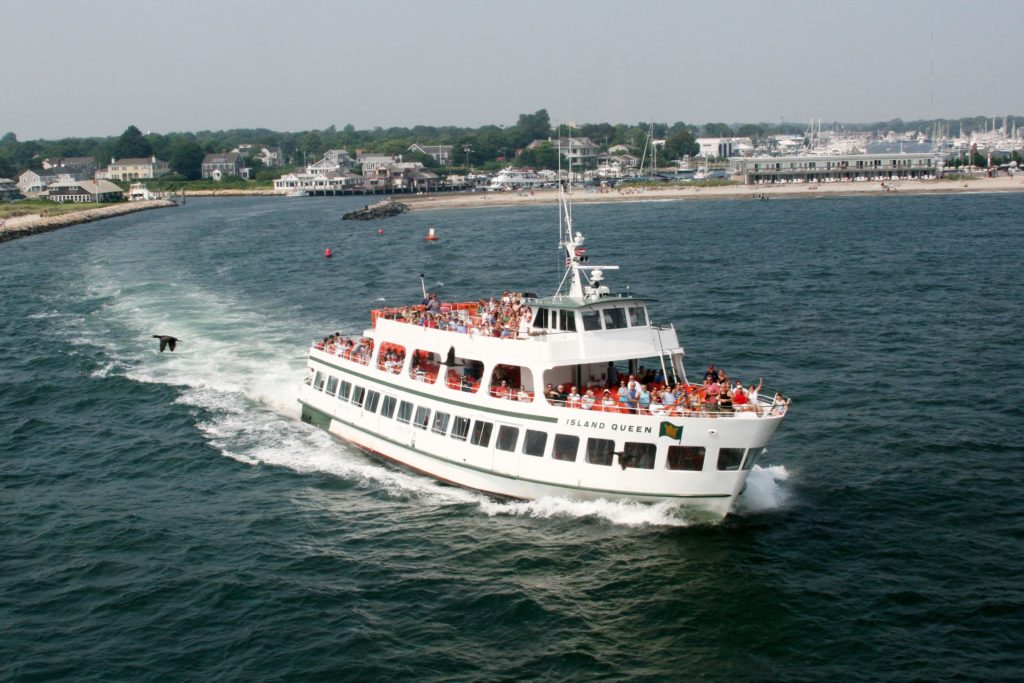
(530, 127)
(132, 145)
(717, 130)
(543, 156)
(680, 143)
(186, 158)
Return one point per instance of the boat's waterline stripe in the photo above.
(505, 476)
(434, 397)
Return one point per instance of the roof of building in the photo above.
(223, 158)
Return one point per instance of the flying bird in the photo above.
(166, 341)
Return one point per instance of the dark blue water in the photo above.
(167, 517)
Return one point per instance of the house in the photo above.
(85, 191)
(724, 147)
(317, 183)
(216, 166)
(619, 149)
(136, 169)
(340, 157)
(35, 181)
(9, 191)
(372, 162)
(267, 155)
(579, 151)
(440, 153)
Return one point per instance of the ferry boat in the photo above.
(516, 179)
(468, 393)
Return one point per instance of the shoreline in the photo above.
(33, 224)
(734, 192)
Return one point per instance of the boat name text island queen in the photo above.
(523, 397)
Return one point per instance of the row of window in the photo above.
(534, 442)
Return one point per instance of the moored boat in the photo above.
(578, 394)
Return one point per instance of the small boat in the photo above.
(297, 193)
(431, 236)
(465, 392)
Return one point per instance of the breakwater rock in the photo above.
(385, 209)
(32, 224)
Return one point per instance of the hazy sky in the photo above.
(93, 67)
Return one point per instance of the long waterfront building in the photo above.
(836, 168)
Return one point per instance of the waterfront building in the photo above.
(9, 191)
(442, 154)
(579, 151)
(35, 181)
(317, 183)
(371, 162)
(269, 156)
(85, 191)
(725, 147)
(136, 169)
(216, 166)
(835, 168)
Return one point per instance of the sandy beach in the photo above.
(677, 192)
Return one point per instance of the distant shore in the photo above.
(32, 224)
(676, 192)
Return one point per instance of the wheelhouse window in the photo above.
(481, 433)
(440, 425)
(565, 447)
(614, 318)
(346, 388)
(507, 438)
(567, 321)
(729, 458)
(422, 418)
(685, 458)
(387, 409)
(460, 428)
(638, 316)
(535, 442)
(591, 320)
(540, 318)
(600, 451)
(372, 399)
(404, 412)
(332, 385)
(638, 455)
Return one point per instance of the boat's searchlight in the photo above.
(596, 289)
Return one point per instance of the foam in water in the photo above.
(764, 489)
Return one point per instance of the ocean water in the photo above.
(168, 517)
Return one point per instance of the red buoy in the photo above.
(380, 231)
(327, 252)
(431, 236)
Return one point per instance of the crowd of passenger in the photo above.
(646, 393)
(358, 350)
(504, 317)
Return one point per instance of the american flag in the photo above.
(579, 251)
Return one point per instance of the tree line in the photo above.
(486, 147)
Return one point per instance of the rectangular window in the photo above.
(591, 320)
(372, 398)
(332, 385)
(343, 393)
(540, 321)
(752, 455)
(535, 442)
(637, 316)
(638, 455)
(729, 458)
(567, 321)
(318, 381)
(440, 425)
(460, 428)
(388, 407)
(614, 318)
(358, 394)
(404, 412)
(422, 418)
(565, 447)
(507, 437)
(481, 433)
(685, 458)
(600, 451)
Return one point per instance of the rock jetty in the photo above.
(22, 226)
(384, 209)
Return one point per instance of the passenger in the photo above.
(523, 396)
(608, 402)
(573, 400)
(644, 400)
(560, 395)
(754, 393)
(550, 394)
(588, 400)
(779, 404)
